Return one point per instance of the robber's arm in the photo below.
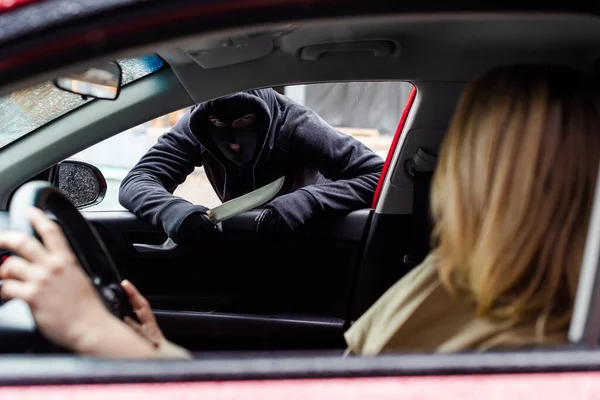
(353, 168)
(148, 189)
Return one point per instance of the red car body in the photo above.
(583, 385)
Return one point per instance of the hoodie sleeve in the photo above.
(353, 168)
(148, 188)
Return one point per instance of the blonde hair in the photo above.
(512, 194)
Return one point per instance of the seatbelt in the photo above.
(421, 168)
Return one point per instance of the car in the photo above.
(268, 316)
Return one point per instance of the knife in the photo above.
(246, 202)
(225, 211)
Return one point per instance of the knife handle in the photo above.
(211, 216)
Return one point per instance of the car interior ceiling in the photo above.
(437, 56)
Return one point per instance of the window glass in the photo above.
(368, 111)
(26, 110)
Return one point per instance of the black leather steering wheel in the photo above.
(83, 238)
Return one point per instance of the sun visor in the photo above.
(235, 49)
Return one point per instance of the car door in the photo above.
(238, 290)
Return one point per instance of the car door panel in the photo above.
(240, 290)
(202, 331)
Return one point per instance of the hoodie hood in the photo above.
(261, 103)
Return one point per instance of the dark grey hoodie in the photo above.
(326, 171)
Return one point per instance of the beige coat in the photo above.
(417, 314)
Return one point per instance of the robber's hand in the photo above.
(196, 227)
(270, 222)
(286, 214)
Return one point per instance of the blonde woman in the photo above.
(511, 200)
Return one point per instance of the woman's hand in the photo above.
(48, 277)
(64, 303)
(148, 329)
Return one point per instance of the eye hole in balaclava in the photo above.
(238, 129)
(217, 122)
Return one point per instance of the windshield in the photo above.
(26, 110)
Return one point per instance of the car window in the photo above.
(26, 110)
(368, 111)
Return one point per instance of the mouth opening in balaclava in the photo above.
(238, 125)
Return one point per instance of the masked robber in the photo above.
(245, 141)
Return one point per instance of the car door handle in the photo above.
(168, 245)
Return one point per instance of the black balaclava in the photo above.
(238, 126)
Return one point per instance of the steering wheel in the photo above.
(83, 238)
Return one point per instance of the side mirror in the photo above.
(82, 183)
(100, 82)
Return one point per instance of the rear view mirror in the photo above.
(82, 183)
(99, 82)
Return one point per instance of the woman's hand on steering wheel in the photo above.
(62, 299)
(148, 328)
(49, 278)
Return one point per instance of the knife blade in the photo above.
(246, 202)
